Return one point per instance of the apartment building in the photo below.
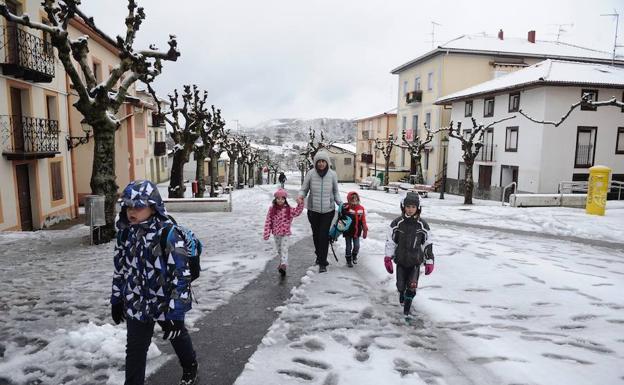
(370, 161)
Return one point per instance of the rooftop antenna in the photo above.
(433, 25)
(560, 29)
(617, 21)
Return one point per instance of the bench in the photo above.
(365, 186)
(422, 189)
(392, 187)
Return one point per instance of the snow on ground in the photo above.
(519, 309)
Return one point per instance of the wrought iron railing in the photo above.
(25, 134)
(487, 153)
(26, 51)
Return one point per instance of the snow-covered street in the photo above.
(502, 307)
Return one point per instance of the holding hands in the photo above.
(388, 264)
(299, 200)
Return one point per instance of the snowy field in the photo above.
(500, 307)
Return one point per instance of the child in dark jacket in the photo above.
(151, 285)
(278, 221)
(408, 244)
(357, 213)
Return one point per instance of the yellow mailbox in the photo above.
(597, 189)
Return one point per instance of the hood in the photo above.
(350, 195)
(140, 193)
(322, 155)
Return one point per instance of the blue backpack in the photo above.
(342, 224)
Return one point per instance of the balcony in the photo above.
(487, 153)
(157, 120)
(366, 158)
(25, 137)
(160, 148)
(26, 56)
(413, 97)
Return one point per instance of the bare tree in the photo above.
(99, 103)
(471, 144)
(313, 146)
(244, 151)
(212, 136)
(415, 148)
(251, 161)
(186, 121)
(386, 146)
(231, 146)
(584, 102)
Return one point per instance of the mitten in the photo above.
(389, 265)
(171, 329)
(365, 233)
(117, 312)
(428, 268)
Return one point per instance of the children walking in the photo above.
(408, 245)
(151, 285)
(278, 221)
(357, 213)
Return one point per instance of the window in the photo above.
(347, 161)
(415, 124)
(56, 178)
(426, 162)
(417, 84)
(585, 147)
(428, 119)
(619, 141)
(97, 71)
(379, 125)
(403, 158)
(511, 139)
(404, 123)
(514, 102)
(430, 81)
(488, 107)
(461, 171)
(593, 96)
(404, 87)
(51, 107)
(467, 132)
(468, 108)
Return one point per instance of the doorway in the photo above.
(16, 118)
(23, 196)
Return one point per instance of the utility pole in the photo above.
(617, 22)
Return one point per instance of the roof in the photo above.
(391, 112)
(546, 73)
(514, 47)
(345, 147)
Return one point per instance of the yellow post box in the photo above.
(597, 189)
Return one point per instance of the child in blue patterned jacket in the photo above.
(151, 285)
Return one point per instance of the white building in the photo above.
(539, 156)
(342, 158)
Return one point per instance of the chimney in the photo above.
(500, 34)
(531, 37)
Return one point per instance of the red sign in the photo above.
(409, 135)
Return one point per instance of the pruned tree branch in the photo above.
(585, 101)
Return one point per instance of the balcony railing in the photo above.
(25, 137)
(25, 55)
(160, 148)
(413, 97)
(367, 158)
(157, 120)
(487, 153)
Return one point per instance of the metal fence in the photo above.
(28, 134)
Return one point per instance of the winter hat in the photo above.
(411, 199)
(281, 193)
(138, 194)
(351, 194)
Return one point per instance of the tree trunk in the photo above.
(250, 176)
(240, 178)
(387, 171)
(232, 166)
(469, 183)
(214, 173)
(200, 157)
(103, 175)
(176, 183)
(419, 174)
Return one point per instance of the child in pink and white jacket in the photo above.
(278, 221)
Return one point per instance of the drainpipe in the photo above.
(71, 153)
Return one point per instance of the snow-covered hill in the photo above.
(288, 130)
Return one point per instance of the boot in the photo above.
(282, 269)
(349, 264)
(189, 375)
(354, 258)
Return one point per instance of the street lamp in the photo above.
(444, 143)
(75, 141)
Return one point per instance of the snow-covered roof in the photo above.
(345, 146)
(518, 47)
(392, 111)
(547, 72)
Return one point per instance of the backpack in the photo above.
(343, 223)
(192, 244)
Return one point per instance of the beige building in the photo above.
(342, 158)
(156, 152)
(45, 163)
(459, 64)
(370, 161)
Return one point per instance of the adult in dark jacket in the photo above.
(281, 178)
(321, 183)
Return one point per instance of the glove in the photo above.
(171, 329)
(117, 312)
(428, 268)
(365, 233)
(389, 265)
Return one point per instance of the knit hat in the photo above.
(281, 193)
(411, 199)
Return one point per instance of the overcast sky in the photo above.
(266, 59)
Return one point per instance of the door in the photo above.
(509, 174)
(12, 35)
(16, 118)
(23, 192)
(485, 177)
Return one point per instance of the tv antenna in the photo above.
(433, 25)
(617, 22)
(561, 28)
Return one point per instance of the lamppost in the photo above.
(75, 141)
(444, 143)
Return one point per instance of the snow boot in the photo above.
(348, 258)
(401, 297)
(322, 269)
(407, 302)
(282, 269)
(354, 258)
(189, 375)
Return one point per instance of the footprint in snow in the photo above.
(311, 363)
